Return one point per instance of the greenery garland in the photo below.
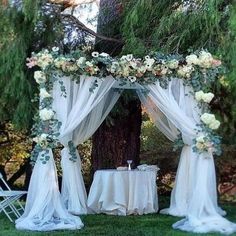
(197, 70)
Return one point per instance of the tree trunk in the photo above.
(114, 144)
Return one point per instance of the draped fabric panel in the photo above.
(44, 210)
(194, 194)
(81, 113)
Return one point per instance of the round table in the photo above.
(123, 192)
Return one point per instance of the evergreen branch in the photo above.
(89, 31)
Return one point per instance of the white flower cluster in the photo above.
(125, 67)
(204, 144)
(210, 121)
(204, 60)
(205, 97)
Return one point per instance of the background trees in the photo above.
(124, 26)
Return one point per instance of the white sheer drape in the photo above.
(81, 113)
(194, 194)
(44, 210)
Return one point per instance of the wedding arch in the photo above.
(76, 95)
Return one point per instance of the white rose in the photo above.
(205, 59)
(103, 54)
(173, 64)
(44, 94)
(95, 54)
(39, 77)
(45, 59)
(147, 57)
(207, 97)
(214, 125)
(185, 71)
(208, 118)
(199, 95)
(200, 139)
(200, 146)
(80, 61)
(46, 114)
(192, 59)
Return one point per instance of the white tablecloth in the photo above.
(123, 192)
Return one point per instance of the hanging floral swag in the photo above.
(198, 70)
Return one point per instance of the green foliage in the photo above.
(152, 139)
(181, 26)
(19, 37)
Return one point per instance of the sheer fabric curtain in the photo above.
(194, 194)
(81, 113)
(44, 210)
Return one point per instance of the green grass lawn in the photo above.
(153, 224)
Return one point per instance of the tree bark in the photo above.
(117, 141)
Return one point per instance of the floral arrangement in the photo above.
(197, 70)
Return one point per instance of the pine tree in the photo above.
(25, 29)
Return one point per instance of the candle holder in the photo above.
(129, 164)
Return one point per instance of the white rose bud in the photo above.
(192, 59)
(46, 114)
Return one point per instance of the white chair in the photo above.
(9, 201)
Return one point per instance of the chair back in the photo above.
(3, 183)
